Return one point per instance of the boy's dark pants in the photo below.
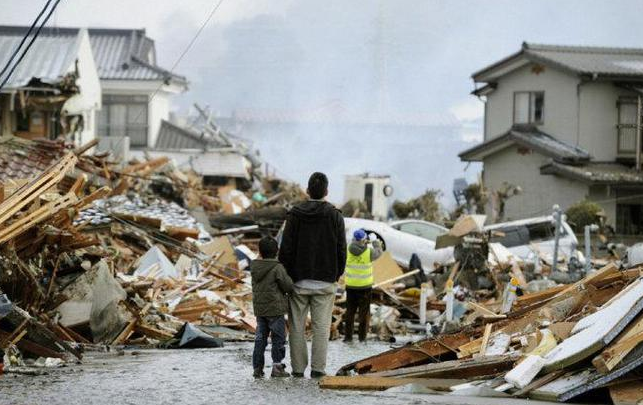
(275, 326)
(357, 300)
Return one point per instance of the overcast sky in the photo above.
(305, 53)
(388, 56)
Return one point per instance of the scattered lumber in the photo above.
(371, 383)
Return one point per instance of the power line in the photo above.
(24, 38)
(185, 51)
(33, 39)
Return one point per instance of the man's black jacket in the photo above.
(313, 246)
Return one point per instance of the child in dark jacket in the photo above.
(270, 284)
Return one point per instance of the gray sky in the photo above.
(295, 54)
(411, 57)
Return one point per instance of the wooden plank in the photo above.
(127, 331)
(400, 277)
(631, 337)
(152, 332)
(75, 335)
(469, 348)
(412, 354)
(461, 369)
(485, 338)
(9, 337)
(630, 393)
(369, 383)
(33, 348)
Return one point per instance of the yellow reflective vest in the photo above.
(359, 270)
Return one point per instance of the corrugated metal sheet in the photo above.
(49, 59)
(171, 136)
(210, 163)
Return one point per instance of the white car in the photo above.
(521, 238)
(405, 237)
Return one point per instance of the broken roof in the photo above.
(529, 137)
(50, 58)
(24, 159)
(584, 60)
(595, 173)
(175, 137)
(120, 54)
(218, 162)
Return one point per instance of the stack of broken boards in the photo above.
(559, 344)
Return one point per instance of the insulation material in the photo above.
(154, 264)
(596, 330)
(521, 375)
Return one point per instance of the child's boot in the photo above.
(258, 373)
(279, 370)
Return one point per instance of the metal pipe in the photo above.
(558, 218)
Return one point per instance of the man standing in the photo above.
(359, 283)
(313, 250)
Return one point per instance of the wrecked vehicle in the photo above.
(405, 237)
(524, 236)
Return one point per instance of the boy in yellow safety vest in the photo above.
(359, 283)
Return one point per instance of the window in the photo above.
(529, 107)
(629, 219)
(520, 235)
(368, 196)
(124, 116)
(420, 229)
(627, 110)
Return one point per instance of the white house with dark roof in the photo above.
(564, 124)
(136, 92)
(53, 91)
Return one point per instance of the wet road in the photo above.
(214, 376)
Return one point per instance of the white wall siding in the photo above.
(88, 100)
(560, 102)
(159, 109)
(599, 116)
(539, 192)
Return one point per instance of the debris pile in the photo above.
(94, 251)
(556, 344)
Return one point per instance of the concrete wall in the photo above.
(561, 103)
(539, 192)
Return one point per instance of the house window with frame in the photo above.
(627, 122)
(124, 116)
(529, 107)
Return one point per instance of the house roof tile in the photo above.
(530, 137)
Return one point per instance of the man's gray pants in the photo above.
(320, 304)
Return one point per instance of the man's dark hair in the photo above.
(317, 186)
(268, 247)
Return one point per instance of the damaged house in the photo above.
(134, 92)
(564, 124)
(54, 91)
